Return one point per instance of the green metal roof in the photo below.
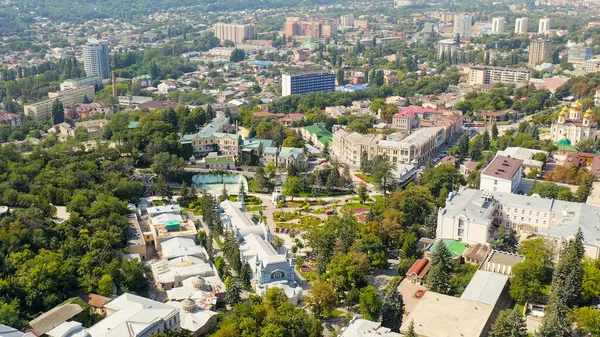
(455, 247)
(219, 160)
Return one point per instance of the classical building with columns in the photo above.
(574, 125)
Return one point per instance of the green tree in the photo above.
(392, 310)
(568, 274)
(531, 276)
(411, 329)
(444, 176)
(441, 268)
(383, 175)
(237, 55)
(369, 304)
(505, 240)
(233, 294)
(362, 192)
(340, 76)
(510, 323)
(349, 270)
(555, 322)
(246, 275)
(224, 194)
(591, 280)
(321, 299)
(291, 187)
(494, 131)
(587, 321)
(106, 286)
(485, 141)
(475, 148)
(589, 146)
(463, 145)
(58, 112)
(262, 182)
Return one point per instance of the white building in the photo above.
(95, 59)
(498, 25)
(446, 47)
(544, 26)
(503, 174)
(402, 3)
(462, 25)
(347, 20)
(348, 147)
(521, 25)
(132, 315)
(473, 216)
(573, 125)
(233, 218)
(479, 75)
(526, 155)
(359, 327)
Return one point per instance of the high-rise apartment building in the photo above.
(521, 25)
(313, 28)
(539, 50)
(446, 17)
(544, 26)
(234, 33)
(302, 83)
(347, 20)
(95, 59)
(446, 47)
(402, 3)
(498, 25)
(462, 25)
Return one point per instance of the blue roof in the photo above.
(133, 125)
(262, 63)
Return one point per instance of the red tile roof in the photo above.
(419, 268)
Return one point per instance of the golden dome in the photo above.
(577, 106)
(588, 113)
(564, 111)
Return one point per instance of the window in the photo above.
(495, 182)
(461, 232)
(522, 219)
(529, 212)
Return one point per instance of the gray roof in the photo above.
(55, 317)
(485, 287)
(504, 258)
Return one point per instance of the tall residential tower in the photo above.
(521, 25)
(95, 59)
(539, 50)
(462, 25)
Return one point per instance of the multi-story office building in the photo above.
(446, 47)
(462, 25)
(539, 50)
(302, 83)
(473, 216)
(42, 111)
(95, 59)
(544, 26)
(80, 82)
(498, 25)
(521, 25)
(347, 20)
(580, 53)
(479, 75)
(234, 33)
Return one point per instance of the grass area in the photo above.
(355, 206)
(336, 313)
(306, 222)
(394, 283)
(320, 210)
(285, 216)
(366, 177)
(308, 193)
(254, 208)
(219, 242)
(309, 276)
(249, 200)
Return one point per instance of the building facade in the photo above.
(521, 25)
(462, 25)
(81, 82)
(539, 50)
(473, 216)
(205, 142)
(573, 125)
(479, 75)
(95, 59)
(446, 47)
(42, 111)
(544, 26)
(503, 174)
(302, 83)
(348, 146)
(498, 25)
(580, 53)
(234, 33)
(414, 149)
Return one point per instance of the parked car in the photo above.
(329, 327)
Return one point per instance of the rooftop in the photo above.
(54, 317)
(456, 247)
(359, 327)
(503, 167)
(441, 315)
(485, 287)
(504, 258)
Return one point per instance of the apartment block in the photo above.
(402, 3)
(42, 111)
(479, 75)
(347, 20)
(539, 50)
(544, 26)
(314, 28)
(580, 53)
(462, 25)
(95, 59)
(302, 83)
(80, 82)
(498, 25)
(521, 25)
(415, 148)
(234, 33)
(348, 146)
(446, 47)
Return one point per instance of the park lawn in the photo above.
(254, 208)
(356, 206)
(320, 210)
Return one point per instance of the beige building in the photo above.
(539, 50)
(205, 142)
(480, 75)
(521, 25)
(498, 25)
(234, 33)
(414, 149)
(42, 111)
(348, 146)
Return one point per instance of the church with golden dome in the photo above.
(573, 124)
